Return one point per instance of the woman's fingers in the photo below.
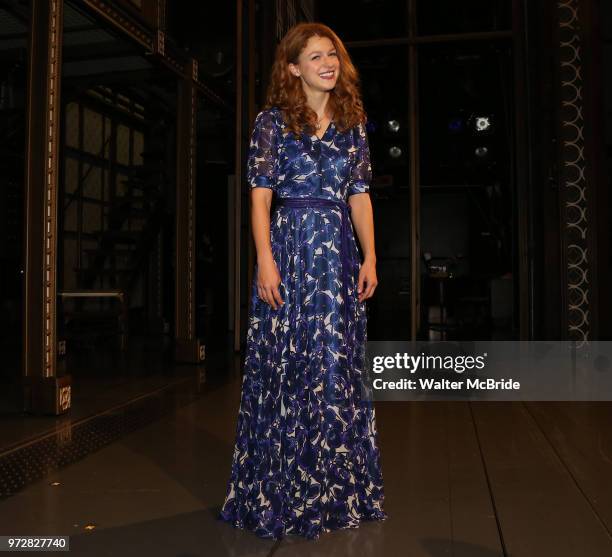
(277, 296)
(370, 291)
(263, 295)
(361, 284)
(268, 282)
(271, 295)
(367, 288)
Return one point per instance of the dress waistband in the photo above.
(312, 202)
(346, 253)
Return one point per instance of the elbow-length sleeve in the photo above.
(262, 164)
(361, 171)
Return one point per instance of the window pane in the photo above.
(465, 106)
(384, 85)
(467, 193)
(92, 132)
(450, 16)
(355, 20)
(384, 78)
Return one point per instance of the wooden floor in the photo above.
(498, 478)
(461, 479)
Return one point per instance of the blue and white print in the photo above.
(306, 458)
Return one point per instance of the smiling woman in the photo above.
(313, 78)
(306, 457)
(319, 61)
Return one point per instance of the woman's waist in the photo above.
(288, 201)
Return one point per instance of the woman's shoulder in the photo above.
(271, 115)
(360, 126)
(359, 130)
(268, 122)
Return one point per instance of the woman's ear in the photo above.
(294, 70)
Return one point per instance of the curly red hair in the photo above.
(285, 90)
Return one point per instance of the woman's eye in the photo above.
(317, 56)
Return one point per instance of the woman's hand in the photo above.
(367, 280)
(268, 281)
(363, 220)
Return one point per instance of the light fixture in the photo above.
(395, 152)
(393, 126)
(482, 123)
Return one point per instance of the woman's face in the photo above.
(318, 65)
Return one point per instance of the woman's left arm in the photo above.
(363, 221)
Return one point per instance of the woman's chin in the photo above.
(328, 87)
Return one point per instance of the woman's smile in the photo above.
(328, 75)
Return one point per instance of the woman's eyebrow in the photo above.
(319, 51)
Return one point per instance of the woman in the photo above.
(306, 458)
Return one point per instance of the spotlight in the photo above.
(393, 126)
(483, 123)
(481, 152)
(395, 152)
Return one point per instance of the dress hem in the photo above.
(377, 515)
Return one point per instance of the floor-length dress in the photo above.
(306, 458)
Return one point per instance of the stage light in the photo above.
(481, 152)
(482, 123)
(395, 152)
(393, 126)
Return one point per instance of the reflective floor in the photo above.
(102, 377)
(461, 479)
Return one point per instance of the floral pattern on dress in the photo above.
(306, 458)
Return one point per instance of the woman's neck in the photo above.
(317, 100)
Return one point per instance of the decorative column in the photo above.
(44, 391)
(189, 349)
(576, 229)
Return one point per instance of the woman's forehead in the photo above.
(316, 43)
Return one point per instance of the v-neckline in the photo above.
(324, 133)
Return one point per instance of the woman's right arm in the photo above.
(268, 277)
(262, 172)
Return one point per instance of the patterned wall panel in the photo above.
(573, 184)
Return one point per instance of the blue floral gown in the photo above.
(306, 458)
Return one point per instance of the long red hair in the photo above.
(285, 90)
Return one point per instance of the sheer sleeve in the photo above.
(361, 171)
(262, 164)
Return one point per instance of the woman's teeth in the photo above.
(327, 75)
